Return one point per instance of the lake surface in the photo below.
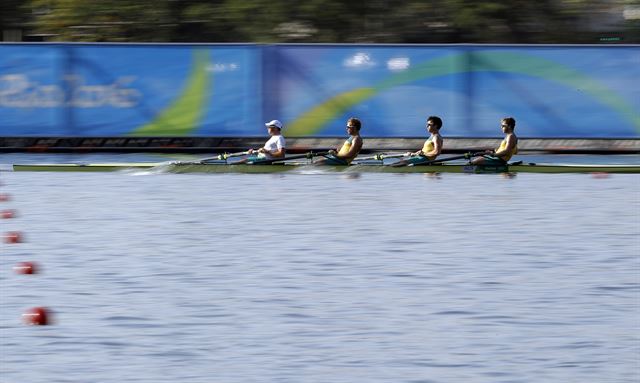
(322, 277)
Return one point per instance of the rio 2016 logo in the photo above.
(18, 91)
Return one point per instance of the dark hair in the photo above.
(436, 120)
(355, 123)
(510, 121)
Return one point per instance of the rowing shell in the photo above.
(195, 167)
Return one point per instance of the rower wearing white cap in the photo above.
(273, 149)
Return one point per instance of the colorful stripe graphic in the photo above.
(184, 115)
(314, 120)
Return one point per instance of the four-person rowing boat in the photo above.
(272, 158)
(370, 164)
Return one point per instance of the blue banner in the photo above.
(31, 90)
(118, 90)
(230, 90)
(550, 91)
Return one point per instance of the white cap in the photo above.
(275, 123)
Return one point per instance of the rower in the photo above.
(508, 147)
(349, 149)
(273, 149)
(432, 146)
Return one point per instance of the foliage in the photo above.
(324, 21)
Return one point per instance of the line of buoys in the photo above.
(35, 316)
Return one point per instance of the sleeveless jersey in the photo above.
(344, 150)
(503, 145)
(428, 146)
(345, 147)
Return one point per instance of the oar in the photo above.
(308, 155)
(381, 156)
(224, 156)
(465, 156)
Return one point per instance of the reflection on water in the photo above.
(26, 158)
(323, 278)
(351, 176)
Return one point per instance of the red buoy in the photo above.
(4, 197)
(25, 268)
(37, 316)
(13, 237)
(6, 214)
(600, 175)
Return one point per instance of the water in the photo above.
(322, 278)
(7, 159)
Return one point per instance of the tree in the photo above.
(107, 20)
(323, 21)
(11, 15)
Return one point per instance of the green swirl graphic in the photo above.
(183, 116)
(316, 118)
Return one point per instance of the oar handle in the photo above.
(229, 155)
(392, 155)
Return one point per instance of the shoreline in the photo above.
(305, 144)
